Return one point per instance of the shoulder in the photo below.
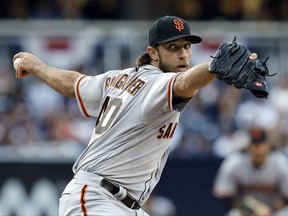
(155, 75)
(234, 160)
(150, 68)
(279, 158)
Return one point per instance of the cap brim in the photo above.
(194, 39)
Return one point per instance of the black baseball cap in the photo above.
(257, 135)
(169, 28)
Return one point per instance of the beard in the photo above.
(164, 67)
(169, 67)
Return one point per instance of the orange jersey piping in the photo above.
(80, 101)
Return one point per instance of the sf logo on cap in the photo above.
(179, 24)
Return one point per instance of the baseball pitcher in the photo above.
(136, 113)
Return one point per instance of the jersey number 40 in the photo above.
(108, 114)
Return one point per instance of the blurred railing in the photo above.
(116, 36)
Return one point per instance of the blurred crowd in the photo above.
(145, 9)
(216, 123)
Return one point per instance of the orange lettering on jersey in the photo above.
(108, 82)
(136, 87)
(258, 188)
(173, 130)
(161, 132)
(121, 82)
(115, 79)
(179, 24)
(167, 132)
(130, 83)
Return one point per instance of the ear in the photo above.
(153, 53)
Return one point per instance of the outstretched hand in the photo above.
(18, 72)
(26, 64)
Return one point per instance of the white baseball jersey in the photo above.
(237, 177)
(135, 124)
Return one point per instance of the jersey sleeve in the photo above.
(89, 91)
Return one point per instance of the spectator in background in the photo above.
(15, 9)
(274, 10)
(254, 181)
(234, 10)
(72, 9)
(262, 113)
(251, 10)
(103, 9)
(229, 9)
(43, 9)
(189, 9)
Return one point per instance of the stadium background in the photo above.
(42, 133)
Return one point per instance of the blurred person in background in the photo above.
(254, 181)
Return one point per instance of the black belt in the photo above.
(114, 189)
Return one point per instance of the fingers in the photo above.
(18, 55)
(17, 61)
(16, 64)
(253, 56)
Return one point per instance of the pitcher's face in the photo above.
(174, 56)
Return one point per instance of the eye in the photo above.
(187, 46)
(175, 47)
(172, 47)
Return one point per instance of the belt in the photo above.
(114, 189)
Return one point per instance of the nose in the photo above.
(183, 53)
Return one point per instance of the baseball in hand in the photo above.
(19, 74)
(16, 63)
